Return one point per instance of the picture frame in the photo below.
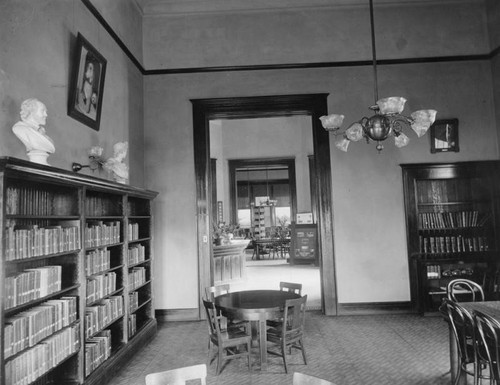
(87, 84)
(444, 136)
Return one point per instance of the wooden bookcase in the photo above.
(76, 273)
(452, 222)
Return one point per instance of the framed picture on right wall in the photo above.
(444, 136)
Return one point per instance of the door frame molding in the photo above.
(313, 105)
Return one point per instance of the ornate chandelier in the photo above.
(388, 119)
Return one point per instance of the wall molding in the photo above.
(278, 67)
(373, 308)
(170, 315)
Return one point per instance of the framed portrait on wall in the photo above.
(87, 84)
(444, 136)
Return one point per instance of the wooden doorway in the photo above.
(314, 105)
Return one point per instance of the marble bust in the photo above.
(116, 163)
(31, 133)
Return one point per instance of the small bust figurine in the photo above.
(116, 163)
(30, 131)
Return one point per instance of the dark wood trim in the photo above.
(171, 315)
(242, 163)
(314, 105)
(113, 35)
(338, 64)
(372, 308)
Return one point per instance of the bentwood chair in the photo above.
(464, 290)
(462, 325)
(229, 343)
(487, 331)
(290, 332)
(179, 376)
(306, 379)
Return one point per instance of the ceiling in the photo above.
(174, 7)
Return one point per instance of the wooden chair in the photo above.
(214, 291)
(292, 287)
(179, 376)
(462, 325)
(305, 379)
(464, 290)
(229, 343)
(286, 286)
(487, 331)
(290, 333)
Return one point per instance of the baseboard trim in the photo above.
(371, 308)
(166, 315)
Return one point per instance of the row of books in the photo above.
(436, 272)
(101, 233)
(29, 327)
(453, 244)
(133, 301)
(99, 286)
(133, 231)
(452, 220)
(99, 316)
(33, 363)
(100, 206)
(32, 284)
(97, 261)
(136, 277)
(136, 254)
(132, 325)
(32, 241)
(35, 201)
(97, 350)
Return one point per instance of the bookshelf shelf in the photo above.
(65, 240)
(452, 222)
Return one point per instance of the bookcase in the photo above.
(76, 275)
(452, 219)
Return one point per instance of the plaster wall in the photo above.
(370, 235)
(322, 34)
(270, 138)
(36, 52)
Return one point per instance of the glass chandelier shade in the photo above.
(388, 119)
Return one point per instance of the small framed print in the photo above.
(87, 84)
(444, 136)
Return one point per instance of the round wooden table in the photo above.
(256, 306)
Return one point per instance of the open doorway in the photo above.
(313, 105)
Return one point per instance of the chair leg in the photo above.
(283, 353)
(249, 358)
(220, 353)
(303, 351)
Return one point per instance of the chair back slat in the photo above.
(305, 379)
(294, 315)
(291, 287)
(214, 291)
(179, 376)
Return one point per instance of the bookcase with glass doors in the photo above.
(452, 223)
(76, 273)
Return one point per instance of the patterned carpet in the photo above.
(347, 350)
